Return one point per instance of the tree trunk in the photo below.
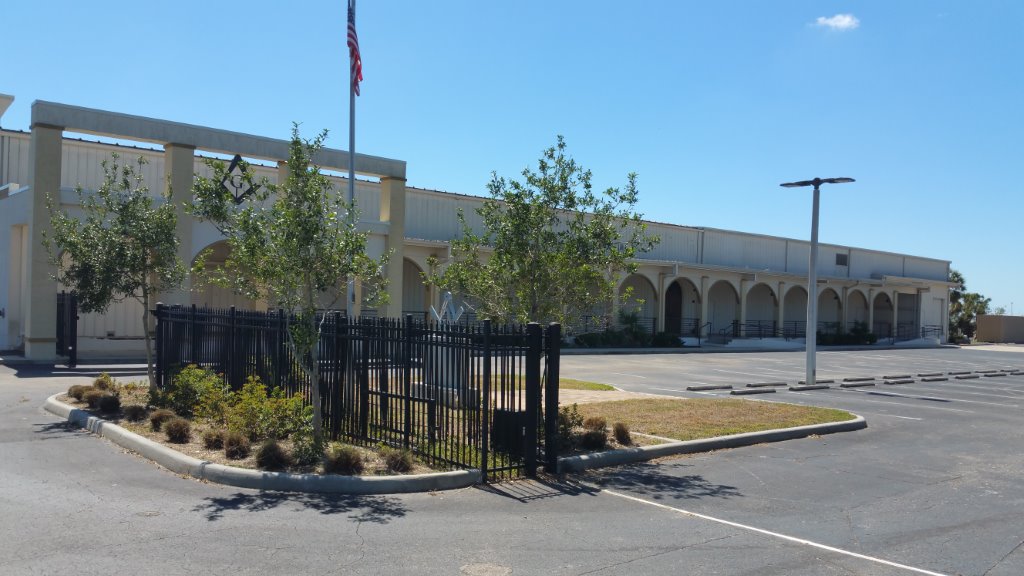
(149, 344)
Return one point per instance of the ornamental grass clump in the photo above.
(178, 430)
(236, 445)
(595, 434)
(92, 397)
(134, 412)
(77, 391)
(272, 456)
(103, 382)
(621, 433)
(397, 460)
(213, 439)
(108, 403)
(157, 418)
(343, 459)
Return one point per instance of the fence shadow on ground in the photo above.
(652, 480)
(62, 429)
(373, 509)
(59, 371)
(537, 489)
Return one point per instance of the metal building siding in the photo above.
(925, 268)
(432, 216)
(81, 165)
(866, 264)
(677, 243)
(15, 159)
(723, 248)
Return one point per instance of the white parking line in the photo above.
(774, 534)
(629, 375)
(897, 394)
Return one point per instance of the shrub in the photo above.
(666, 340)
(214, 402)
(286, 414)
(103, 382)
(594, 439)
(157, 418)
(305, 448)
(569, 419)
(621, 432)
(213, 439)
(92, 397)
(272, 456)
(188, 387)
(343, 459)
(178, 430)
(78, 390)
(236, 445)
(596, 424)
(108, 403)
(396, 459)
(134, 412)
(250, 413)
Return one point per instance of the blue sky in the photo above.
(713, 104)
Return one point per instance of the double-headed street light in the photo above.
(811, 330)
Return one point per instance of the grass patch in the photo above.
(571, 384)
(698, 418)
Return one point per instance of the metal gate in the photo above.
(67, 327)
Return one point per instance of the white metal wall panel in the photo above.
(798, 256)
(434, 216)
(680, 244)
(925, 268)
(81, 164)
(723, 248)
(15, 159)
(865, 264)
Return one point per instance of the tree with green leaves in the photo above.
(964, 308)
(551, 248)
(294, 245)
(124, 246)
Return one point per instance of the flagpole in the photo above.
(351, 296)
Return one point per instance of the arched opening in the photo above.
(883, 313)
(856, 310)
(830, 312)
(415, 296)
(794, 324)
(206, 294)
(762, 310)
(723, 309)
(682, 307)
(642, 300)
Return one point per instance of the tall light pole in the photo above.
(811, 330)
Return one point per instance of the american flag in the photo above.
(353, 49)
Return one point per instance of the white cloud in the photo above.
(838, 22)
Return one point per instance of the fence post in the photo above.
(280, 359)
(159, 368)
(194, 340)
(551, 399)
(485, 416)
(364, 381)
(533, 338)
(230, 360)
(407, 382)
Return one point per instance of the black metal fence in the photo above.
(460, 396)
(67, 327)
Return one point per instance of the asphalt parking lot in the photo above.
(932, 486)
(934, 483)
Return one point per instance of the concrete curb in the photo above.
(257, 479)
(643, 453)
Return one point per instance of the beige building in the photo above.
(1000, 328)
(697, 280)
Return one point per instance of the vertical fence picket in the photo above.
(533, 336)
(554, 338)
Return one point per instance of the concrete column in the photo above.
(744, 290)
(871, 310)
(179, 167)
(781, 298)
(392, 211)
(660, 312)
(843, 315)
(705, 283)
(41, 299)
(921, 293)
(895, 312)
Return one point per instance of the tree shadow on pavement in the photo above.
(374, 509)
(537, 489)
(654, 480)
(62, 429)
